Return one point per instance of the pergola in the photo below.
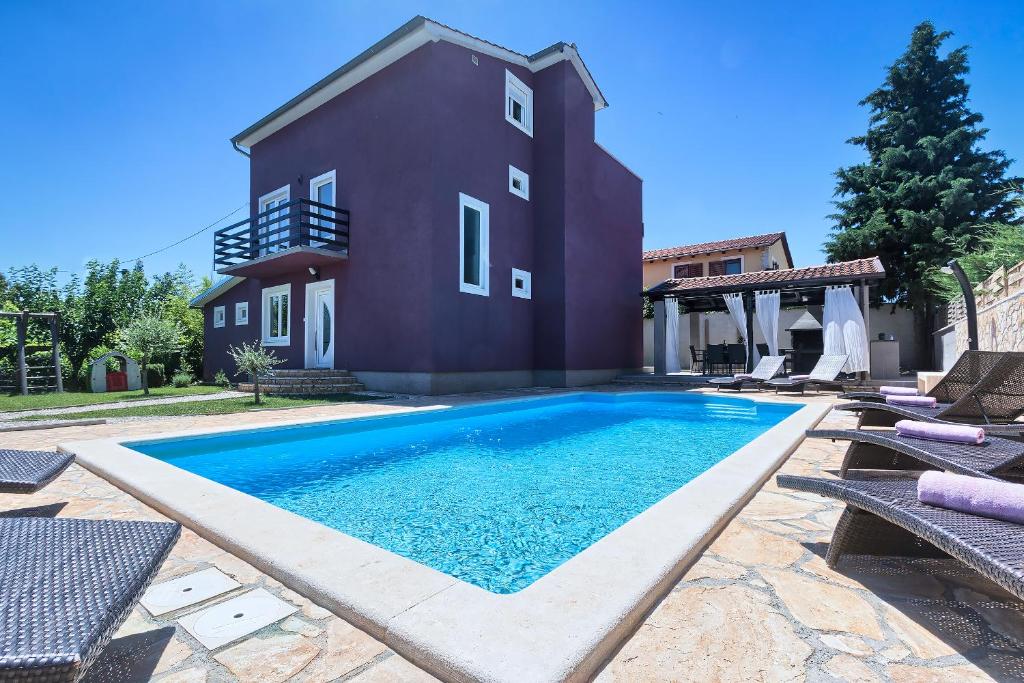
(796, 286)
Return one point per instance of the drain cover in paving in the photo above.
(187, 590)
(235, 618)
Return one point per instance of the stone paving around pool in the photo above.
(759, 605)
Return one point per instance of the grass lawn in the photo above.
(221, 406)
(70, 399)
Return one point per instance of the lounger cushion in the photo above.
(68, 584)
(29, 471)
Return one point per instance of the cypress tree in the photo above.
(927, 191)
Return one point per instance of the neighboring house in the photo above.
(436, 216)
(723, 257)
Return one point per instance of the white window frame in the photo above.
(524, 181)
(219, 316)
(483, 289)
(285, 193)
(242, 313)
(269, 292)
(314, 185)
(518, 91)
(526, 291)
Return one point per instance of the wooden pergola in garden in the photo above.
(21, 320)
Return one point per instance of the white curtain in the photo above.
(671, 335)
(767, 306)
(734, 302)
(844, 330)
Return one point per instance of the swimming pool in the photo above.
(496, 495)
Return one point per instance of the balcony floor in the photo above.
(285, 261)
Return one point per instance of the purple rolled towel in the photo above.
(799, 378)
(916, 401)
(898, 391)
(742, 375)
(941, 432)
(982, 497)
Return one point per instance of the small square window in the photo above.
(518, 103)
(242, 313)
(521, 284)
(518, 182)
(218, 316)
(733, 266)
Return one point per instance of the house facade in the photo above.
(722, 257)
(436, 216)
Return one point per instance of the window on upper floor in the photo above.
(474, 228)
(729, 266)
(518, 103)
(218, 316)
(518, 182)
(276, 306)
(684, 270)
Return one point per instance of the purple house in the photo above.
(436, 216)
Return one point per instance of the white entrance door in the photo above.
(320, 324)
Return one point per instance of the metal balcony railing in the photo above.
(298, 223)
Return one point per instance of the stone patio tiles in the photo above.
(759, 605)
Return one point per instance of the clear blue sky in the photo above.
(115, 116)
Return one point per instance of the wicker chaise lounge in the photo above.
(825, 372)
(969, 369)
(884, 518)
(878, 449)
(66, 585)
(29, 471)
(765, 370)
(998, 399)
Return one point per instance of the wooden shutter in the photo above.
(685, 270)
(716, 268)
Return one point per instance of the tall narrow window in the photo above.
(276, 305)
(322, 191)
(474, 227)
(518, 104)
(272, 229)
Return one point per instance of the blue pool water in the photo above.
(496, 495)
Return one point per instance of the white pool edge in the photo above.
(562, 627)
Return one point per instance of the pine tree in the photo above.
(927, 191)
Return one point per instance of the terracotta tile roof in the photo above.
(720, 245)
(867, 269)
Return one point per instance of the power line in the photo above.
(186, 238)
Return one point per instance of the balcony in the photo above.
(292, 236)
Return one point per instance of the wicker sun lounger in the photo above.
(67, 585)
(765, 370)
(884, 518)
(998, 399)
(29, 471)
(876, 449)
(825, 372)
(969, 369)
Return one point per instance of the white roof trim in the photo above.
(214, 291)
(427, 31)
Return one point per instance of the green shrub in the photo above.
(182, 379)
(221, 379)
(155, 375)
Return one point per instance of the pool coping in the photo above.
(561, 627)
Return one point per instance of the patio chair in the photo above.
(877, 449)
(765, 370)
(736, 356)
(68, 585)
(696, 360)
(825, 372)
(884, 518)
(993, 403)
(714, 357)
(968, 370)
(29, 471)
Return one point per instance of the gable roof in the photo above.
(214, 291)
(829, 273)
(400, 42)
(752, 241)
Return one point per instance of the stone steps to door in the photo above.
(307, 382)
